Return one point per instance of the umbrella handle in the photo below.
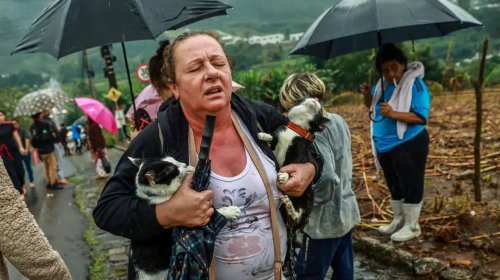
(128, 76)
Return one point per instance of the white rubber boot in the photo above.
(411, 229)
(397, 209)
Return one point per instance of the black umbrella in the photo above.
(353, 25)
(193, 248)
(69, 26)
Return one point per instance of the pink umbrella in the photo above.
(149, 100)
(98, 112)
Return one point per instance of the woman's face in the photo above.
(203, 75)
(393, 70)
(2, 117)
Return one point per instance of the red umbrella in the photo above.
(98, 112)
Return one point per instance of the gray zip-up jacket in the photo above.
(335, 210)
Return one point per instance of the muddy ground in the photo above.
(455, 228)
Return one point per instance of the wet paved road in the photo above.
(60, 218)
(64, 225)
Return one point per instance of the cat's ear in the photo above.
(136, 161)
(323, 123)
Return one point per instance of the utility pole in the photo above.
(90, 73)
(108, 66)
(478, 91)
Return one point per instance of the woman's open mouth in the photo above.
(213, 90)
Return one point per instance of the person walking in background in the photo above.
(400, 140)
(97, 146)
(26, 142)
(42, 138)
(155, 74)
(327, 239)
(121, 122)
(63, 132)
(144, 117)
(22, 242)
(11, 149)
(76, 131)
(58, 148)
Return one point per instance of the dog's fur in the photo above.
(289, 147)
(156, 181)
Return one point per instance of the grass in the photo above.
(98, 269)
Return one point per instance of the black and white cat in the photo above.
(156, 181)
(291, 144)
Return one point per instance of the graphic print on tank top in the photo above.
(244, 248)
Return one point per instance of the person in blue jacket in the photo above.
(401, 142)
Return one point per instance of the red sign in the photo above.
(142, 73)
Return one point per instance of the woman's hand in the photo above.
(301, 176)
(386, 110)
(186, 208)
(367, 97)
(364, 88)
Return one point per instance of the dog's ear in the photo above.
(135, 161)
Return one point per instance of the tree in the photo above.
(349, 71)
(69, 71)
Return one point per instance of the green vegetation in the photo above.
(261, 69)
(98, 269)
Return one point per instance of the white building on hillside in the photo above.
(295, 36)
(228, 39)
(267, 39)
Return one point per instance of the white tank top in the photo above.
(244, 249)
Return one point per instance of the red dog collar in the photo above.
(300, 131)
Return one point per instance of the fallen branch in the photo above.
(477, 237)
(374, 204)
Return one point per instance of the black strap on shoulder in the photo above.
(163, 127)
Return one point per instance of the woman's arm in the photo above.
(122, 213)
(409, 118)
(22, 242)
(19, 143)
(28, 143)
(118, 209)
(367, 96)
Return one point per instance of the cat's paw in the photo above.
(264, 137)
(282, 177)
(190, 169)
(231, 213)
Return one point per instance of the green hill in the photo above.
(248, 17)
